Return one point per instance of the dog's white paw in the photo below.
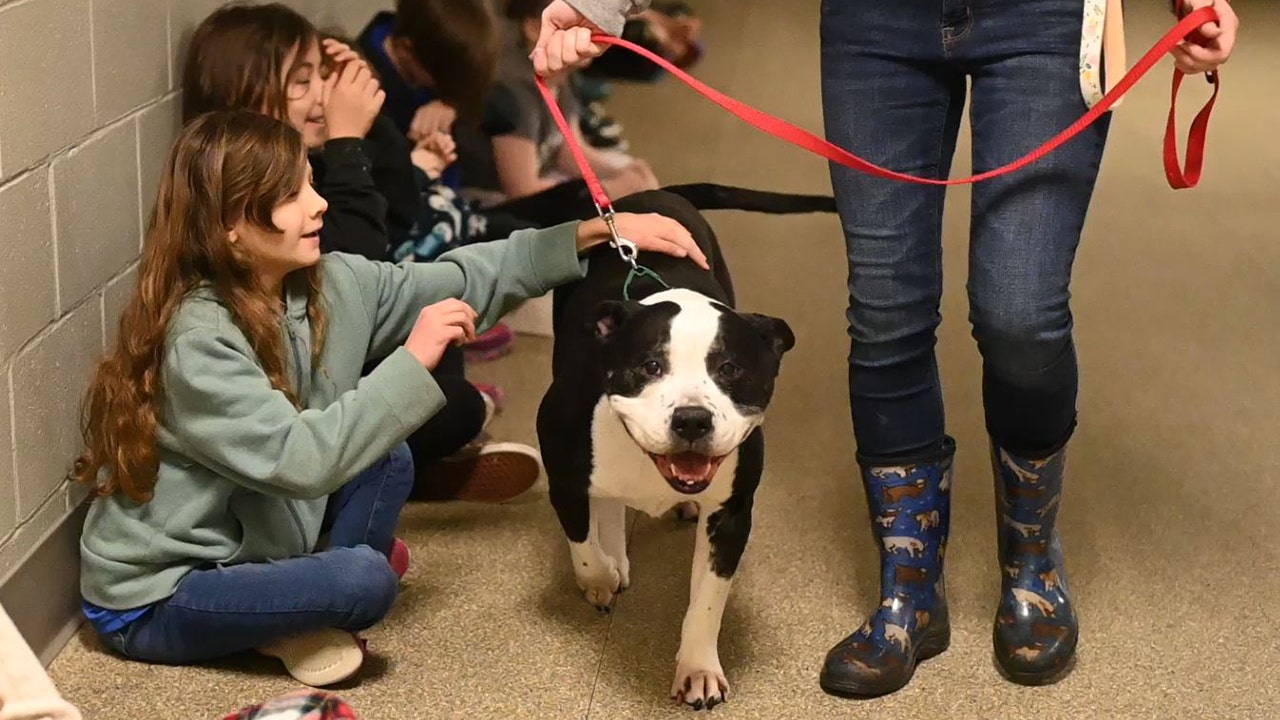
(624, 573)
(700, 685)
(602, 585)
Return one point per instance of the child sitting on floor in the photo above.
(268, 58)
(231, 425)
(498, 119)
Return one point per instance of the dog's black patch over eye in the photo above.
(745, 357)
(634, 349)
(729, 371)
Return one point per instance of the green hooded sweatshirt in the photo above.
(244, 476)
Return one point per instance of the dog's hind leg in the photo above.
(611, 522)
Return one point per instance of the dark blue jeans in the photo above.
(229, 609)
(894, 88)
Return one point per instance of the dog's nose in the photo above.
(692, 422)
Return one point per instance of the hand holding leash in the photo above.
(1208, 46)
(565, 42)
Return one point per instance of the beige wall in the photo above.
(89, 104)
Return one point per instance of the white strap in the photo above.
(1101, 42)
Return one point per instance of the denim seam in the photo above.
(938, 208)
(377, 497)
(949, 42)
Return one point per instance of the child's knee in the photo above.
(400, 467)
(367, 584)
(392, 473)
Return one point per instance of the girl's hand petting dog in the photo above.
(650, 232)
(448, 322)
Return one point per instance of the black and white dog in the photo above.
(654, 403)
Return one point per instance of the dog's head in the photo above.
(689, 377)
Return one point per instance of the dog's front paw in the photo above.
(624, 573)
(700, 685)
(601, 585)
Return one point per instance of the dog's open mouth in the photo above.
(688, 472)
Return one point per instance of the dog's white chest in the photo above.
(621, 470)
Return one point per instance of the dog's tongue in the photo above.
(688, 466)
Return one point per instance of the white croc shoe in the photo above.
(320, 657)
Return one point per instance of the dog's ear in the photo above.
(775, 330)
(610, 315)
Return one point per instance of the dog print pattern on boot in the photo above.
(1035, 631)
(910, 509)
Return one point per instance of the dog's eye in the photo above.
(652, 368)
(729, 370)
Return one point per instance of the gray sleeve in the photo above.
(528, 107)
(609, 15)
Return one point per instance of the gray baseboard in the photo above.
(42, 594)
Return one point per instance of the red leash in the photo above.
(1177, 176)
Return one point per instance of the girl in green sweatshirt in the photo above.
(230, 427)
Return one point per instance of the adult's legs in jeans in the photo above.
(902, 112)
(892, 96)
(1026, 228)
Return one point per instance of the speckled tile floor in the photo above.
(1168, 518)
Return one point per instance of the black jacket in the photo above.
(372, 193)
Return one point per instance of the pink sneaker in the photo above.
(399, 557)
(490, 345)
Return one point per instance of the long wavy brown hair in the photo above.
(224, 168)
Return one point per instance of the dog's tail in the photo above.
(714, 196)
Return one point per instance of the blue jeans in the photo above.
(223, 610)
(894, 87)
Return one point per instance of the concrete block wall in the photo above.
(89, 105)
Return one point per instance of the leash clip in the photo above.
(626, 249)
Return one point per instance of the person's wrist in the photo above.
(344, 130)
(590, 233)
(418, 354)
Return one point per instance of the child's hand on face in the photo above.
(339, 53)
(650, 232)
(436, 116)
(438, 326)
(435, 153)
(352, 95)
